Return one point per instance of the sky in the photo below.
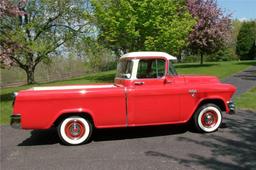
(240, 9)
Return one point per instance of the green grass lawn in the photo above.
(220, 69)
(247, 100)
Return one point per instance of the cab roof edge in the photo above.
(148, 54)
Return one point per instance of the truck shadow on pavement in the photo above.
(41, 137)
(139, 132)
(234, 150)
(49, 137)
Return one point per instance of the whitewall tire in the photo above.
(75, 130)
(208, 118)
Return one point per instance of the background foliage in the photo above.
(51, 39)
(40, 31)
(154, 25)
(212, 30)
(246, 41)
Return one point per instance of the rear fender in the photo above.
(70, 112)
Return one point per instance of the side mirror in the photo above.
(168, 79)
(126, 75)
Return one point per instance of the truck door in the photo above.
(152, 99)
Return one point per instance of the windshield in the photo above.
(124, 69)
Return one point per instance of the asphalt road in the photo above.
(166, 147)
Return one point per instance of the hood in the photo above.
(200, 79)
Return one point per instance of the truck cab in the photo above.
(141, 66)
(148, 78)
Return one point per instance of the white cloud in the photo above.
(243, 19)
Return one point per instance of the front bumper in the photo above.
(16, 121)
(231, 106)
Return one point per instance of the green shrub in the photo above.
(190, 59)
(227, 54)
(246, 41)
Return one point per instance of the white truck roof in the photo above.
(149, 54)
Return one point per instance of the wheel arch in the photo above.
(64, 115)
(217, 101)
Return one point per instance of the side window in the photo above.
(160, 68)
(172, 70)
(151, 68)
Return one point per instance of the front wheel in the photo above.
(75, 130)
(208, 118)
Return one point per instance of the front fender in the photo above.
(218, 100)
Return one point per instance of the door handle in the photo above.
(139, 83)
(167, 81)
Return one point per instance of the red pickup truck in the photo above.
(147, 91)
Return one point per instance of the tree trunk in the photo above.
(179, 58)
(30, 71)
(30, 75)
(202, 58)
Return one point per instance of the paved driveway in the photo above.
(168, 147)
(244, 80)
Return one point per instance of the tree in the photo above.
(12, 10)
(131, 25)
(39, 30)
(95, 56)
(246, 40)
(7, 8)
(212, 30)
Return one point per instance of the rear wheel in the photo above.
(75, 130)
(208, 118)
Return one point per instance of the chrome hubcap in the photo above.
(209, 119)
(75, 129)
